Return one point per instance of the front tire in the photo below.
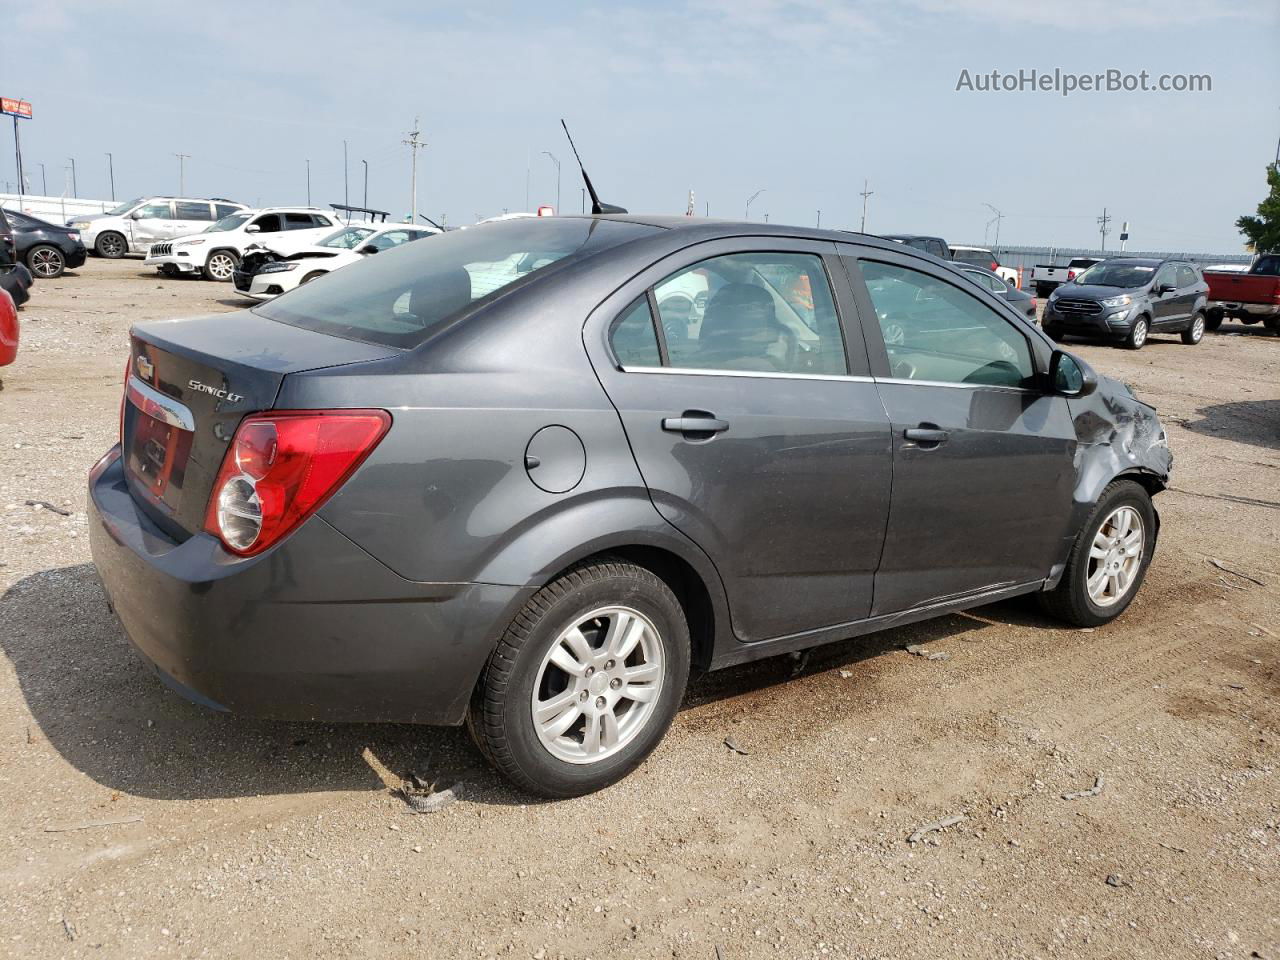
(1138, 334)
(220, 266)
(112, 245)
(1109, 561)
(1194, 333)
(46, 262)
(585, 682)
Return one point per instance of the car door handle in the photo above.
(926, 436)
(695, 422)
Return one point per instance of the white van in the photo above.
(134, 226)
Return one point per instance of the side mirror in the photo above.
(1165, 288)
(253, 228)
(368, 248)
(136, 215)
(1070, 376)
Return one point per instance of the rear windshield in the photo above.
(403, 295)
(979, 258)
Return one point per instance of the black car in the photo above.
(15, 279)
(1018, 299)
(478, 480)
(46, 248)
(1129, 298)
(8, 253)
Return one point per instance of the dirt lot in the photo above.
(229, 837)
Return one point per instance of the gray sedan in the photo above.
(479, 480)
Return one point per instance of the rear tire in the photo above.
(1195, 332)
(1072, 599)
(220, 266)
(46, 262)
(1138, 334)
(572, 621)
(111, 245)
(1272, 324)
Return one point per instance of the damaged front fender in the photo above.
(1118, 435)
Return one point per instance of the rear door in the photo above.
(758, 433)
(983, 460)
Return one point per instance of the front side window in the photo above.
(1167, 276)
(391, 238)
(268, 223)
(765, 312)
(191, 210)
(153, 211)
(401, 297)
(633, 338)
(934, 331)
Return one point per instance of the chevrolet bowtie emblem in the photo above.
(146, 369)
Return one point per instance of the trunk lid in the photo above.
(189, 384)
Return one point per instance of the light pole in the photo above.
(346, 197)
(111, 173)
(557, 163)
(366, 182)
(747, 215)
(44, 182)
(818, 225)
(308, 163)
(182, 173)
(75, 191)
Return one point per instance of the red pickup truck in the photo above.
(1248, 297)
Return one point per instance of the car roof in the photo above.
(1140, 261)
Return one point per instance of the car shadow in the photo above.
(1255, 422)
(239, 303)
(107, 714)
(1238, 329)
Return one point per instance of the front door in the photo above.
(983, 467)
(759, 436)
(1165, 307)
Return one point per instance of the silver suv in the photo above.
(133, 226)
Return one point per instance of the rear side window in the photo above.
(402, 296)
(633, 338)
(764, 312)
(1187, 276)
(191, 210)
(936, 332)
(299, 221)
(224, 209)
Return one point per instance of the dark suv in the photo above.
(480, 479)
(1129, 298)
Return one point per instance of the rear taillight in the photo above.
(994, 266)
(281, 467)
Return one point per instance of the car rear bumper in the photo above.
(75, 257)
(1237, 309)
(313, 629)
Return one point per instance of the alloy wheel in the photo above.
(220, 267)
(1197, 329)
(46, 262)
(112, 246)
(1139, 335)
(598, 685)
(1115, 556)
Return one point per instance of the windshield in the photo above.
(123, 208)
(405, 294)
(228, 223)
(345, 239)
(1124, 275)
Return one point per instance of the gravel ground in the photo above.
(218, 836)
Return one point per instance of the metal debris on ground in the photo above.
(68, 928)
(917, 650)
(1169, 846)
(921, 832)
(733, 745)
(89, 824)
(1235, 573)
(49, 506)
(1081, 794)
(429, 802)
(1114, 880)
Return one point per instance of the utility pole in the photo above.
(865, 193)
(1103, 229)
(415, 145)
(584, 199)
(346, 193)
(557, 163)
(182, 172)
(747, 213)
(708, 206)
(528, 172)
(308, 163)
(1124, 235)
(818, 225)
(44, 182)
(111, 172)
(366, 182)
(996, 220)
(75, 190)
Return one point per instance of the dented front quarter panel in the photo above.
(1118, 435)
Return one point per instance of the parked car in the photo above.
(1128, 298)
(387, 496)
(215, 252)
(984, 258)
(16, 281)
(8, 247)
(265, 272)
(1018, 299)
(8, 329)
(1249, 297)
(1046, 277)
(46, 248)
(135, 225)
(932, 245)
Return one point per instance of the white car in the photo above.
(215, 253)
(134, 226)
(349, 245)
(984, 258)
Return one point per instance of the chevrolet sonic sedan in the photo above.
(529, 475)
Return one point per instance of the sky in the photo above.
(801, 99)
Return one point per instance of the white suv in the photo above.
(134, 226)
(215, 253)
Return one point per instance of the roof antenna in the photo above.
(596, 206)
